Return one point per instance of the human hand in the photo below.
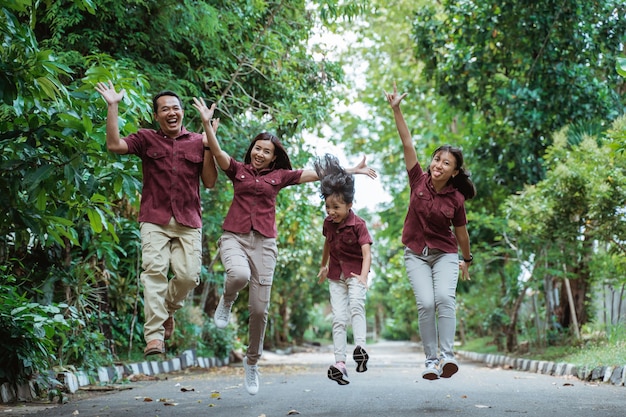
(464, 267)
(323, 274)
(362, 168)
(108, 92)
(361, 279)
(393, 98)
(206, 113)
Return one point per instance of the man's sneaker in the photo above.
(251, 378)
(222, 313)
(431, 372)
(360, 356)
(338, 373)
(448, 367)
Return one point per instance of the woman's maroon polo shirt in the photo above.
(431, 214)
(254, 200)
(171, 176)
(344, 241)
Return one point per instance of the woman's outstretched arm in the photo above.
(206, 113)
(309, 175)
(410, 155)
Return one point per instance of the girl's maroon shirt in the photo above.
(431, 214)
(254, 201)
(345, 240)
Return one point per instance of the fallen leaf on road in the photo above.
(215, 394)
(186, 389)
(147, 399)
(292, 412)
(463, 396)
(167, 403)
(568, 384)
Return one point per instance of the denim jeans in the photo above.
(434, 276)
(347, 299)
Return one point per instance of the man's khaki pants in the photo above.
(175, 246)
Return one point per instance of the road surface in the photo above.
(297, 385)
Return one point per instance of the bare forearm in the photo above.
(410, 156)
(209, 170)
(462, 237)
(114, 141)
(221, 157)
(325, 255)
(403, 129)
(367, 264)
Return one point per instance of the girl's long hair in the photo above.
(334, 179)
(462, 180)
(282, 159)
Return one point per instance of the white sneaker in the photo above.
(222, 313)
(432, 371)
(252, 377)
(448, 367)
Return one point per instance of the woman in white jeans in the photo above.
(434, 230)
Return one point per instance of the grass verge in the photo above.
(599, 351)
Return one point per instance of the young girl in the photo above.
(437, 202)
(248, 245)
(346, 261)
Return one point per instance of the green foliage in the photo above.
(583, 194)
(569, 225)
(68, 224)
(528, 69)
(27, 333)
(620, 66)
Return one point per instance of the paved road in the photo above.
(392, 387)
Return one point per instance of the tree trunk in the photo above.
(511, 329)
(619, 304)
(572, 308)
(579, 289)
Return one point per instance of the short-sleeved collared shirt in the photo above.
(171, 176)
(254, 201)
(431, 214)
(345, 240)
